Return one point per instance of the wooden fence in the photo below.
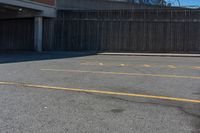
(16, 34)
(142, 30)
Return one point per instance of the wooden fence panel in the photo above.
(152, 30)
(17, 34)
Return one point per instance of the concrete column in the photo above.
(38, 28)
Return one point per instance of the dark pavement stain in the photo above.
(196, 114)
(196, 93)
(117, 110)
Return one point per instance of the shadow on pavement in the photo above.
(13, 57)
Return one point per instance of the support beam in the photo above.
(38, 23)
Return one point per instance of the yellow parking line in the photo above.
(101, 64)
(196, 67)
(123, 65)
(143, 65)
(101, 92)
(146, 65)
(121, 73)
(172, 66)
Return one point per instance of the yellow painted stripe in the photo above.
(172, 66)
(101, 64)
(146, 65)
(102, 92)
(121, 73)
(123, 65)
(196, 67)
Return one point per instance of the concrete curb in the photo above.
(151, 54)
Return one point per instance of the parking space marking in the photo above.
(142, 65)
(172, 66)
(102, 92)
(196, 67)
(123, 65)
(101, 64)
(147, 65)
(123, 73)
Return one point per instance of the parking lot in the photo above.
(88, 93)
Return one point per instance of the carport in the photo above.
(21, 24)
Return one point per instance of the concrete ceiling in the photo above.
(7, 11)
(20, 8)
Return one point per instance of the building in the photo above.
(39, 9)
(97, 25)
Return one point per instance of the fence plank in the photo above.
(144, 30)
(16, 34)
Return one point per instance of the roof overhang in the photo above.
(22, 8)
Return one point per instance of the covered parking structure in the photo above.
(117, 27)
(21, 24)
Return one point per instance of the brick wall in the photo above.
(49, 2)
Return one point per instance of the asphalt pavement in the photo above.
(89, 93)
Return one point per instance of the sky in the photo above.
(189, 2)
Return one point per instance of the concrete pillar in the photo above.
(38, 28)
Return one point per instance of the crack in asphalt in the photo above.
(196, 124)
